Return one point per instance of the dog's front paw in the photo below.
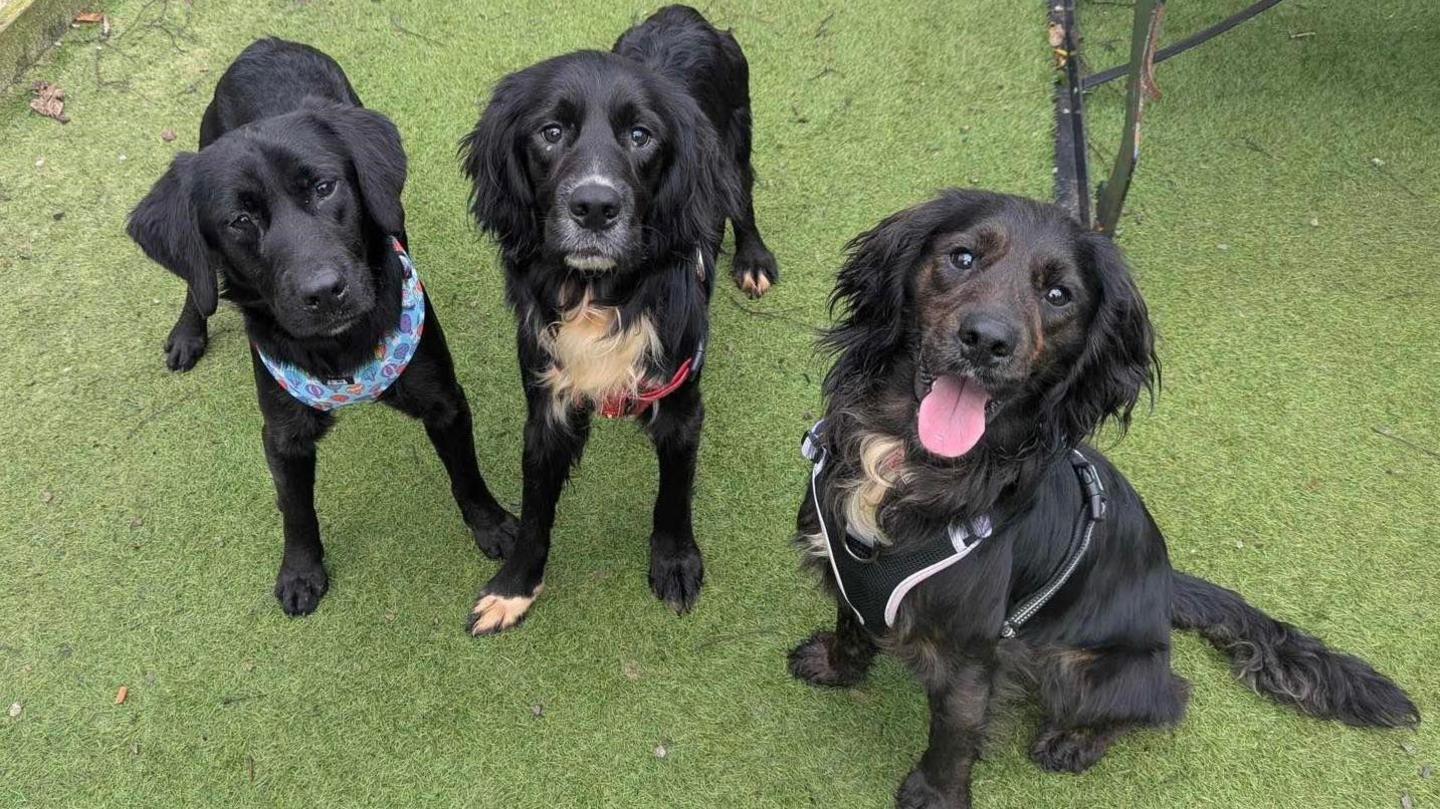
(300, 588)
(494, 613)
(495, 537)
(810, 662)
(755, 271)
(184, 348)
(677, 572)
(1072, 751)
(916, 793)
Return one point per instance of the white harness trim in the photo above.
(958, 535)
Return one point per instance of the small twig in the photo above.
(395, 23)
(1255, 147)
(826, 71)
(151, 416)
(823, 29)
(780, 316)
(1302, 35)
(1407, 442)
(1399, 183)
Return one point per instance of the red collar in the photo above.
(626, 406)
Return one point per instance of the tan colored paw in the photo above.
(754, 284)
(495, 613)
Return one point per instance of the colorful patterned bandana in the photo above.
(366, 383)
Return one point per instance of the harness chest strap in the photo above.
(873, 584)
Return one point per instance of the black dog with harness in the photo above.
(873, 583)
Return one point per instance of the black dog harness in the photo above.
(873, 584)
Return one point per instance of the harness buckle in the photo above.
(811, 445)
(1091, 485)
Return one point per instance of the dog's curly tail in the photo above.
(1286, 664)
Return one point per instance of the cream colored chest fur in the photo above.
(594, 356)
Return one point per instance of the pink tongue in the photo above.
(952, 416)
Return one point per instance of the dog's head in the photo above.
(598, 162)
(992, 317)
(289, 210)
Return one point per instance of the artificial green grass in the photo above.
(141, 537)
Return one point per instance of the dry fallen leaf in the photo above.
(1406, 802)
(167, 134)
(631, 670)
(47, 496)
(121, 695)
(49, 101)
(1057, 35)
(15, 710)
(661, 752)
(137, 521)
(537, 711)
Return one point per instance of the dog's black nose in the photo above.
(595, 206)
(987, 338)
(325, 289)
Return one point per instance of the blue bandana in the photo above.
(367, 382)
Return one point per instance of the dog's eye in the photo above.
(552, 133)
(639, 136)
(324, 188)
(242, 222)
(1057, 296)
(962, 259)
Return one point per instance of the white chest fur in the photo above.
(594, 356)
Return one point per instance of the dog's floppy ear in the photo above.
(166, 225)
(698, 188)
(378, 156)
(501, 197)
(870, 290)
(1118, 362)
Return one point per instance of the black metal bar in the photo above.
(1096, 79)
(1072, 173)
(1143, 37)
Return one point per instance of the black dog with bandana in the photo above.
(293, 204)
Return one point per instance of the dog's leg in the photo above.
(754, 267)
(188, 338)
(290, 434)
(1073, 749)
(430, 392)
(551, 450)
(1091, 698)
(838, 659)
(677, 571)
(958, 691)
(451, 431)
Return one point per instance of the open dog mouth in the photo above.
(954, 409)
